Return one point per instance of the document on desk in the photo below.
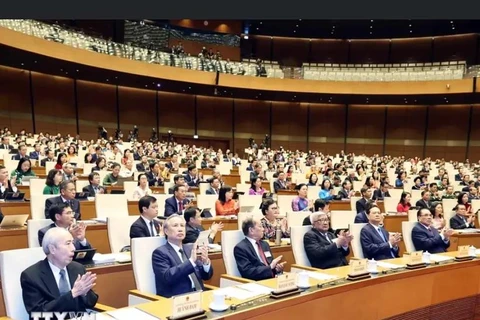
(439, 258)
(387, 265)
(237, 293)
(130, 313)
(321, 276)
(255, 288)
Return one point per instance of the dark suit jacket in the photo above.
(343, 193)
(377, 194)
(191, 182)
(55, 200)
(139, 228)
(152, 179)
(278, 186)
(91, 192)
(428, 240)
(142, 168)
(7, 189)
(34, 155)
(361, 217)
(18, 156)
(192, 234)
(10, 147)
(172, 275)
(40, 290)
(361, 205)
(171, 206)
(321, 253)
(422, 204)
(456, 222)
(249, 264)
(211, 191)
(44, 161)
(373, 246)
(76, 243)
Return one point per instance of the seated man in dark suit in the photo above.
(346, 191)
(22, 153)
(376, 242)
(94, 187)
(178, 203)
(361, 205)
(280, 183)
(381, 193)
(67, 194)
(253, 255)
(462, 219)
(62, 217)
(35, 155)
(179, 268)
(6, 184)
(57, 283)
(194, 226)
(214, 186)
(178, 180)
(323, 249)
(427, 238)
(146, 225)
(50, 157)
(143, 166)
(191, 178)
(154, 175)
(318, 205)
(425, 201)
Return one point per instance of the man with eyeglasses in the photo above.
(425, 237)
(323, 249)
(63, 217)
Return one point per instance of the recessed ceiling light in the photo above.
(35, 61)
(333, 27)
(257, 28)
(297, 25)
(453, 28)
(409, 25)
(371, 20)
(410, 31)
(22, 63)
(107, 80)
(294, 30)
(451, 21)
(370, 32)
(146, 85)
(261, 22)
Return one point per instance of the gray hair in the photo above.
(316, 215)
(52, 237)
(165, 224)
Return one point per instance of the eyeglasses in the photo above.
(322, 220)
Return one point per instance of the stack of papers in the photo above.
(214, 247)
(111, 257)
(439, 258)
(258, 289)
(130, 313)
(321, 276)
(237, 293)
(387, 265)
(468, 231)
(102, 220)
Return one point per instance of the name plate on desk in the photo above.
(463, 251)
(358, 267)
(286, 282)
(415, 257)
(187, 306)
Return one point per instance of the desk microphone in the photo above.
(235, 306)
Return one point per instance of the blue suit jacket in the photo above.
(171, 206)
(373, 246)
(428, 240)
(249, 264)
(34, 155)
(172, 275)
(361, 217)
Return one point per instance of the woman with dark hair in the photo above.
(256, 188)
(438, 221)
(88, 158)
(225, 205)
(71, 153)
(326, 193)
(401, 179)
(313, 180)
(142, 188)
(463, 199)
(24, 169)
(417, 184)
(404, 204)
(101, 164)
(271, 221)
(127, 154)
(61, 159)
(52, 185)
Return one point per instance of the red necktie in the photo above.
(180, 206)
(262, 254)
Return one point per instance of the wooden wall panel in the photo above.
(214, 117)
(290, 51)
(252, 119)
(474, 150)
(289, 125)
(97, 105)
(446, 137)
(262, 47)
(54, 104)
(137, 107)
(176, 113)
(411, 50)
(329, 51)
(454, 48)
(327, 128)
(15, 105)
(365, 129)
(369, 51)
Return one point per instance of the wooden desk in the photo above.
(113, 285)
(231, 179)
(436, 295)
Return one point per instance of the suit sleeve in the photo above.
(316, 250)
(190, 236)
(455, 224)
(136, 231)
(370, 248)
(247, 269)
(358, 206)
(421, 241)
(41, 234)
(86, 189)
(48, 204)
(169, 209)
(169, 275)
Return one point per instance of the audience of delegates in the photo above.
(253, 256)
(301, 203)
(6, 185)
(67, 195)
(178, 203)
(57, 283)
(462, 218)
(142, 188)
(179, 268)
(146, 225)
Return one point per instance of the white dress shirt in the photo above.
(56, 274)
(255, 247)
(206, 267)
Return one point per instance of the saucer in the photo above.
(303, 287)
(218, 308)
